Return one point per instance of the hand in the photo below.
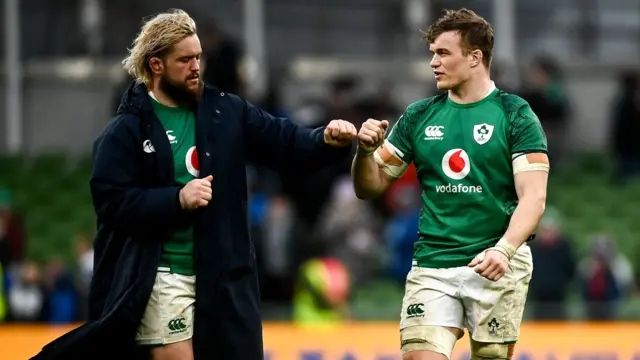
(371, 134)
(339, 133)
(491, 264)
(197, 193)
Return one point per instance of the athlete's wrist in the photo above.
(364, 152)
(504, 247)
(181, 200)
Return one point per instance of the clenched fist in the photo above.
(197, 193)
(339, 133)
(371, 134)
(491, 264)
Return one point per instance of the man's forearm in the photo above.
(524, 220)
(365, 172)
(132, 208)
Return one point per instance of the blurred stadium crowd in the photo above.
(585, 253)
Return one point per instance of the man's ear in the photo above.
(475, 57)
(156, 65)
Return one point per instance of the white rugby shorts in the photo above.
(168, 317)
(458, 297)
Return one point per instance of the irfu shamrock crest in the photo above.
(493, 326)
(482, 133)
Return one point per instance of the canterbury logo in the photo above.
(433, 133)
(415, 310)
(177, 324)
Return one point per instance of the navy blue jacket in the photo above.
(137, 206)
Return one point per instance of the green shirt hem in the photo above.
(180, 269)
(443, 263)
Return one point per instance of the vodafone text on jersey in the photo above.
(456, 165)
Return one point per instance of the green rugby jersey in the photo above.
(463, 156)
(180, 126)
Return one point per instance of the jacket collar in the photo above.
(136, 101)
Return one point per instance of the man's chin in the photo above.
(194, 89)
(443, 85)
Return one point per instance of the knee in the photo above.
(421, 339)
(491, 351)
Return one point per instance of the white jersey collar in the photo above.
(491, 88)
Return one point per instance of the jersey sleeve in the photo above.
(399, 141)
(526, 133)
(396, 153)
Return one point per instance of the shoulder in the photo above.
(122, 128)
(514, 106)
(522, 121)
(415, 110)
(231, 105)
(215, 95)
(121, 124)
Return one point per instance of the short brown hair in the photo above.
(475, 32)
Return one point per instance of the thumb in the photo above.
(209, 178)
(385, 124)
(475, 261)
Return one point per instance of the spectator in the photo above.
(310, 193)
(62, 296)
(547, 98)
(606, 277)
(277, 242)
(26, 295)
(348, 230)
(554, 266)
(222, 59)
(626, 126)
(322, 293)
(84, 253)
(343, 100)
(12, 234)
(380, 106)
(401, 231)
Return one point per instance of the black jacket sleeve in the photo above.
(280, 144)
(118, 198)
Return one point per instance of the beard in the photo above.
(180, 92)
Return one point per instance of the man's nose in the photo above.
(195, 65)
